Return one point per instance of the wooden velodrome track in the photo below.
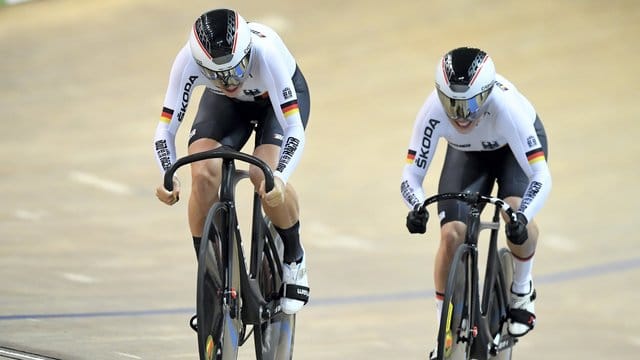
(92, 266)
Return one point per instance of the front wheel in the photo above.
(456, 321)
(218, 328)
(273, 338)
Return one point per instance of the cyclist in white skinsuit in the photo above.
(493, 133)
(252, 84)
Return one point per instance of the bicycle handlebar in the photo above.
(222, 152)
(471, 199)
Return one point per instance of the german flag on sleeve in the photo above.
(411, 155)
(166, 115)
(290, 108)
(535, 155)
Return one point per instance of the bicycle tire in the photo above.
(274, 338)
(506, 265)
(498, 308)
(456, 309)
(506, 262)
(218, 323)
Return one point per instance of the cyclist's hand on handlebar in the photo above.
(517, 230)
(417, 220)
(169, 197)
(275, 197)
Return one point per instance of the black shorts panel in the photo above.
(231, 122)
(478, 171)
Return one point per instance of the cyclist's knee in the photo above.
(513, 201)
(532, 230)
(452, 234)
(256, 176)
(528, 248)
(268, 153)
(290, 193)
(204, 178)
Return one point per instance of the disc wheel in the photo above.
(274, 338)
(454, 333)
(218, 330)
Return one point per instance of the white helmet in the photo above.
(464, 80)
(220, 43)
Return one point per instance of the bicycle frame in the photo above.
(240, 290)
(254, 307)
(481, 326)
(478, 332)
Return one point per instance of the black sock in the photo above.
(291, 240)
(196, 245)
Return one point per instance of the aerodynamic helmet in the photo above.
(464, 79)
(220, 43)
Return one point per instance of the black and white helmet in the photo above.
(464, 79)
(220, 43)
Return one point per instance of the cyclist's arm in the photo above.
(183, 78)
(527, 149)
(284, 100)
(422, 148)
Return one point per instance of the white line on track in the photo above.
(558, 242)
(130, 356)
(12, 2)
(29, 215)
(21, 355)
(100, 183)
(79, 278)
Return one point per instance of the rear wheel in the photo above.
(216, 306)
(506, 263)
(498, 308)
(455, 331)
(273, 339)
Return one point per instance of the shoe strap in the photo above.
(295, 292)
(523, 317)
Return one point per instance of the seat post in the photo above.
(473, 225)
(226, 183)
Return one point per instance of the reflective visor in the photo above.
(463, 108)
(228, 78)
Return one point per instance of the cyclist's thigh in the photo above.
(269, 153)
(222, 119)
(512, 181)
(462, 171)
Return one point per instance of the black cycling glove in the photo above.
(417, 220)
(517, 230)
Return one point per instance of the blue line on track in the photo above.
(563, 276)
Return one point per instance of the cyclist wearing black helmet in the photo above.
(252, 84)
(493, 133)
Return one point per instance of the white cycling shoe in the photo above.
(522, 317)
(295, 286)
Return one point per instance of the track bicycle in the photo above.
(471, 326)
(236, 298)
